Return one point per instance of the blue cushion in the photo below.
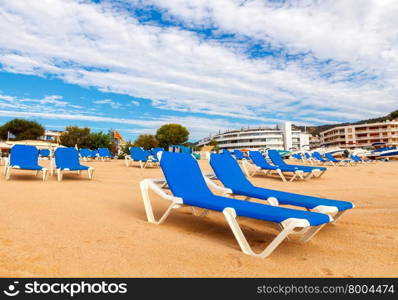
(68, 158)
(44, 152)
(138, 154)
(318, 156)
(239, 155)
(230, 174)
(25, 156)
(186, 181)
(104, 152)
(85, 152)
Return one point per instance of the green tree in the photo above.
(22, 129)
(146, 141)
(74, 135)
(99, 140)
(214, 143)
(171, 134)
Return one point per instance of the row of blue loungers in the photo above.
(255, 162)
(25, 157)
(101, 153)
(329, 159)
(145, 158)
(188, 186)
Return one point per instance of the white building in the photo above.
(282, 137)
(51, 135)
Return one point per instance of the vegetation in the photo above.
(146, 141)
(99, 140)
(21, 129)
(84, 138)
(74, 135)
(214, 143)
(171, 134)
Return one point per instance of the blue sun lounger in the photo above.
(24, 157)
(277, 160)
(239, 155)
(104, 154)
(67, 159)
(357, 159)
(144, 157)
(188, 187)
(336, 161)
(85, 154)
(227, 171)
(155, 151)
(259, 163)
(316, 155)
(45, 153)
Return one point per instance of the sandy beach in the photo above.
(98, 228)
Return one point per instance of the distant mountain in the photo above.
(315, 130)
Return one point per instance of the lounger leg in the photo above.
(281, 175)
(59, 175)
(44, 171)
(230, 216)
(8, 172)
(148, 206)
(90, 172)
(36, 173)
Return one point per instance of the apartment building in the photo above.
(361, 135)
(282, 137)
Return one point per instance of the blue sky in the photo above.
(134, 65)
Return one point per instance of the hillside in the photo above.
(315, 130)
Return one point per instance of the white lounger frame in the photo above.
(287, 227)
(53, 170)
(143, 164)
(332, 211)
(8, 168)
(256, 169)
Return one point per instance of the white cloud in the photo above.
(111, 103)
(100, 46)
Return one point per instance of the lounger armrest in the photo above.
(214, 185)
(153, 185)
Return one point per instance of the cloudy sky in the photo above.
(210, 65)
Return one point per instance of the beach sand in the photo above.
(82, 228)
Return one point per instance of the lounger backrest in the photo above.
(138, 154)
(94, 153)
(259, 159)
(225, 151)
(307, 155)
(45, 152)
(318, 156)
(155, 151)
(183, 175)
(228, 172)
(66, 157)
(330, 157)
(85, 152)
(24, 155)
(238, 154)
(276, 158)
(104, 152)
